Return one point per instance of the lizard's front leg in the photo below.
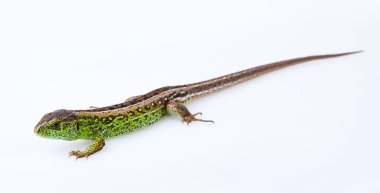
(183, 112)
(97, 145)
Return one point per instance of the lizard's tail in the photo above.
(212, 85)
(282, 64)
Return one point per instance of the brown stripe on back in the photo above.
(134, 101)
(204, 87)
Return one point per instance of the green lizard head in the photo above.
(60, 124)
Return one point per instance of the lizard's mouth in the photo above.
(37, 129)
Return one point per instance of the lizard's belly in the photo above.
(133, 123)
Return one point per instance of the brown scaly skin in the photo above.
(98, 124)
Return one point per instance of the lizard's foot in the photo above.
(96, 146)
(190, 118)
(79, 154)
(180, 109)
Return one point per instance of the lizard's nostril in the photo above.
(36, 130)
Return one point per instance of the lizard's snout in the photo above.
(37, 129)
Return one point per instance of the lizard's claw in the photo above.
(79, 154)
(190, 118)
(96, 146)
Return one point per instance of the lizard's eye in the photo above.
(56, 126)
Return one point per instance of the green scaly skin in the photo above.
(97, 128)
(99, 124)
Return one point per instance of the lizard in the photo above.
(99, 124)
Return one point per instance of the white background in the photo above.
(308, 128)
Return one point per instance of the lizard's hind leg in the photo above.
(178, 108)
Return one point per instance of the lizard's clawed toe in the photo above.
(190, 118)
(78, 154)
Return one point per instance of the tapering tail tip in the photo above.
(354, 52)
(341, 54)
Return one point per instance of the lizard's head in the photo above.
(60, 124)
